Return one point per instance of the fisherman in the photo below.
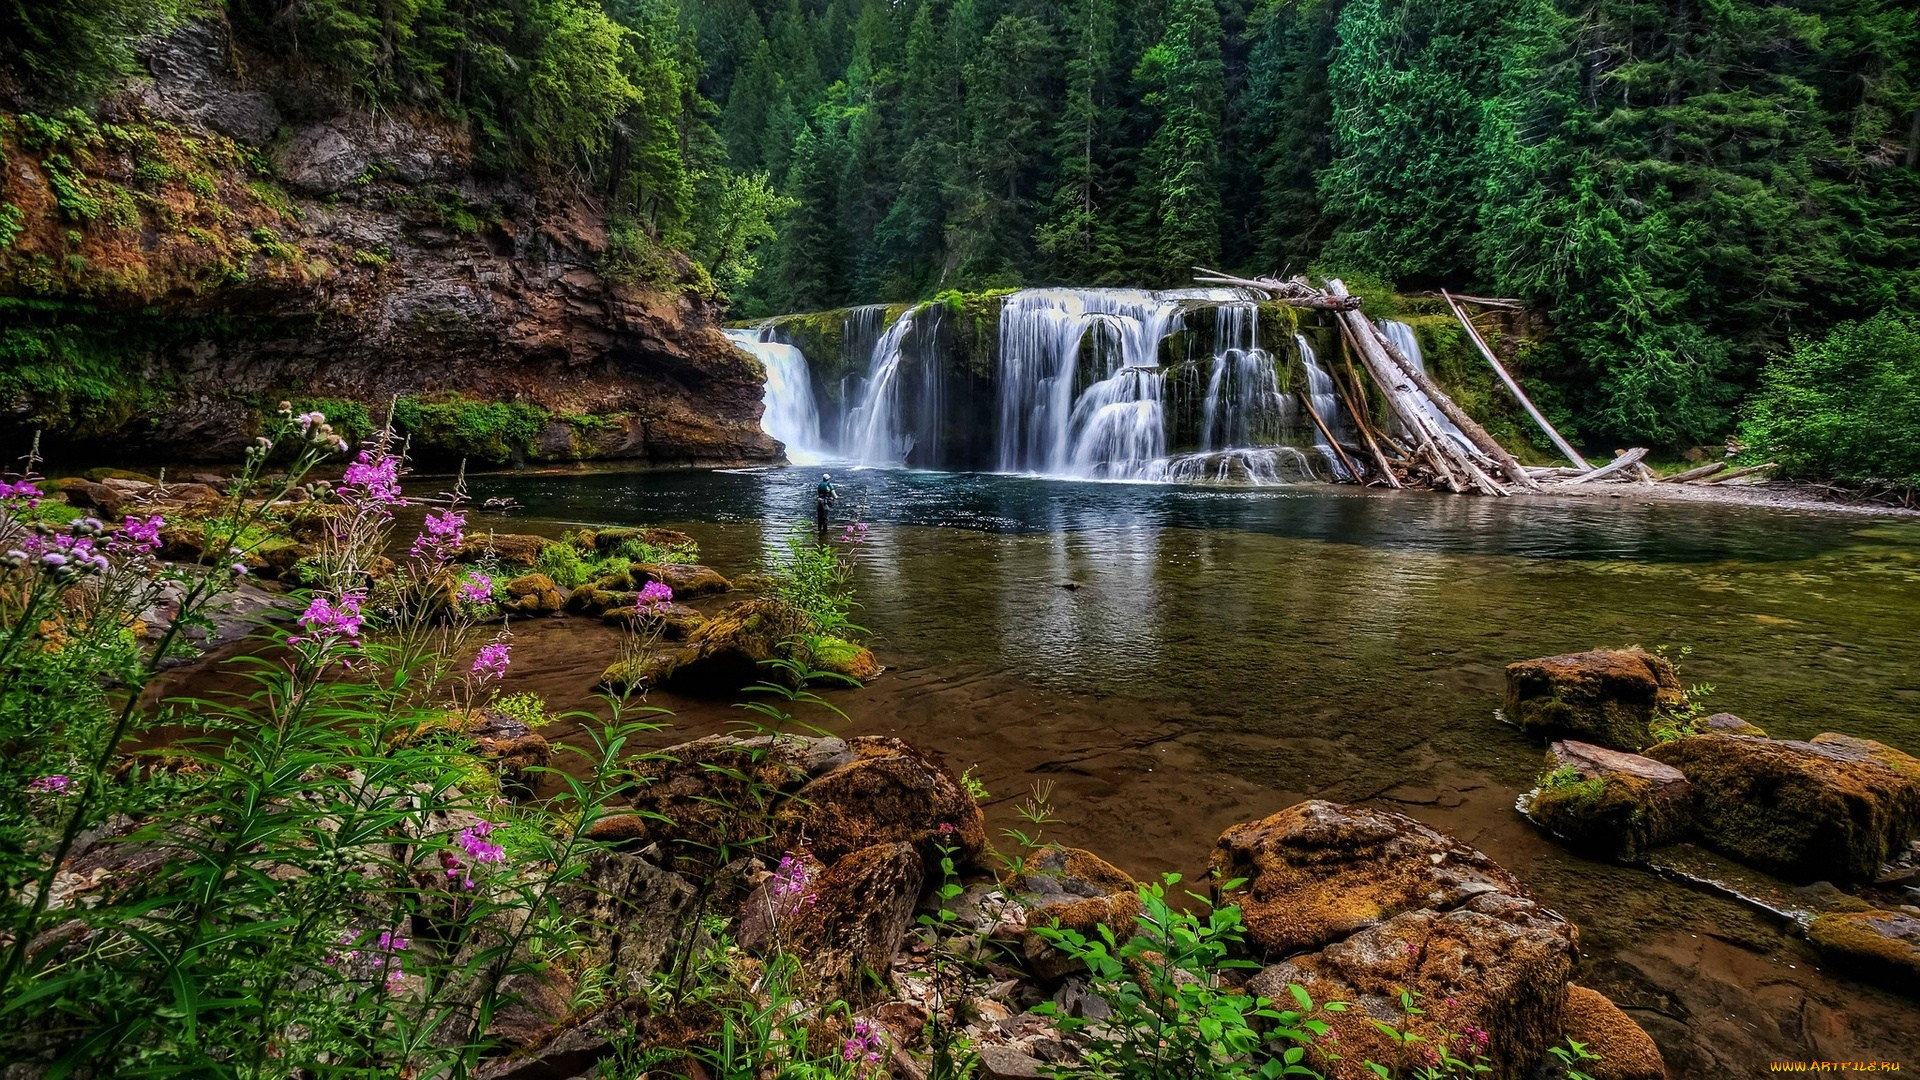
(822, 496)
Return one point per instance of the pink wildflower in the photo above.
(51, 785)
(864, 1047)
(790, 881)
(481, 851)
(138, 535)
(654, 595)
(477, 590)
(326, 621)
(441, 537)
(372, 482)
(491, 663)
(24, 490)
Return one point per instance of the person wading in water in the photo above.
(822, 496)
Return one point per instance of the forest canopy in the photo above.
(1679, 189)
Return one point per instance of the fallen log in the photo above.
(1513, 387)
(1307, 400)
(1360, 419)
(1469, 427)
(1735, 474)
(1626, 460)
(1694, 474)
(1294, 291)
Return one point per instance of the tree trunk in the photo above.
(1526, 402)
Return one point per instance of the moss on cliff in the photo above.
(494, 432)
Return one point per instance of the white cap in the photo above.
(826, 476)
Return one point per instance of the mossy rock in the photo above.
(1802, 810)
(1725, 723)
(687, 580)
(608, 541)
(855, 919)
(731, 651)
(282, 555)
(532, 595)
(838, 656)
(1611, 803)
(509, 549)
(1072, 889)
(594, 600)
(1879, 945)
(1626, 1052)
(889, 792)
(1608, 696)
(675, 622)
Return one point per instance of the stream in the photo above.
(1174, 659)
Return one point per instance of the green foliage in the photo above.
(67, 50)
(1174, 1015)
(490, 431)
(527, 707)
(1844, 406)
(816, 580)
(12, 222)
(71, 378)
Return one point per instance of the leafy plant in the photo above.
(1845, 406)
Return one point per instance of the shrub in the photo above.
(816, 579)
(1846, 406)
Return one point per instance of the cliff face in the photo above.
(213, 245)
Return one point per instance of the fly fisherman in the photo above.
(822, 497)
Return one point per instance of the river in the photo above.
(1174, 659)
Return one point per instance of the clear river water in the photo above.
(1174, 659)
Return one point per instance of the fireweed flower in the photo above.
(477, 590)
(440, 537)
(382, 955)
(327, 621)
(655, 594)
(863, 1047)
(790, 881)
(479, 851)
(137, 534)
(56, 784)
(491, 662)
(372, 482)
(20, 490)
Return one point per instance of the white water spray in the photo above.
(874, 435)
(788, 410)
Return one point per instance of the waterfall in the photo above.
(874, 434)
(1244, 405)
(1326, 402)
(1402, 337)
(1258, 466)
(789, 413)
(1117, 426)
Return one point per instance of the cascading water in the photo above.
(1326, 404)
(789, 413)
(1244, 404)
(1401, 335)
(1118, 424)
(874, 435)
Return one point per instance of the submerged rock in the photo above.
(1607, 696)
(1318, 871)
(1804, 810)
(1613, 803)
(1882, 945)
(676, 622)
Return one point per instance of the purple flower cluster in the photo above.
(491, 661)
(328, 621)
(654, 595)
(856, 533)
(64, 554)
(479, 851)
(381, 956)
(56, 784)
(372, 481)
(863, 1047)
(1473, 1041)
(440, 537)
(22, 490)
(137, 535)
(790, 881)
(477, 590)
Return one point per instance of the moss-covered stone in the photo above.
(1607, 696)
(1611, 803)
(1880, 945)
(838, 656)
(533, 595)
(508, 549)
(732, 650)
(1625, 1051)
(890, 792)
(1801, 810)
(687, 580)
(675, 622)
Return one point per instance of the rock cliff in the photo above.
(223, 236)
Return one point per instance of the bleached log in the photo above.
(1469, 427)
(1365, 428)
(1624, 461)
(1735, 474)
(1293, 291)
(1307, 400)
(1513, 387)
(1700, 473)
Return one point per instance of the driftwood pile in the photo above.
(1419, 450)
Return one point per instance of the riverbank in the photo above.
(1773, 494)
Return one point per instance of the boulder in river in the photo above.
(1319, 871)
(675, 622)
(1613, 803)
(1725, 723)
(1882, 945)
(1072, 889)
(531, 595)
(1804, 810)
(731, 651)
(509, 549)
(889, 792)
(1489, 976)
(687, 580)
(1607, 696)
(1625, 1051)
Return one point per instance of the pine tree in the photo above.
(1180, 176)
(1078, 235)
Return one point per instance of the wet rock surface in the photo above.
(1879, 945)
(1612, 803)
(1607, 696)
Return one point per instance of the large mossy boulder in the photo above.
(687, 580)
(1608, 696)
(1879, 945)
(889, 792)
(732, 650)
(507, 549)
(1496, 965)
(1611, 803)
(1319, 871)
(673, 622)
(531, 595)
(1626, 1052)
(1072, 889)
(1831, 809)
(851, 920)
